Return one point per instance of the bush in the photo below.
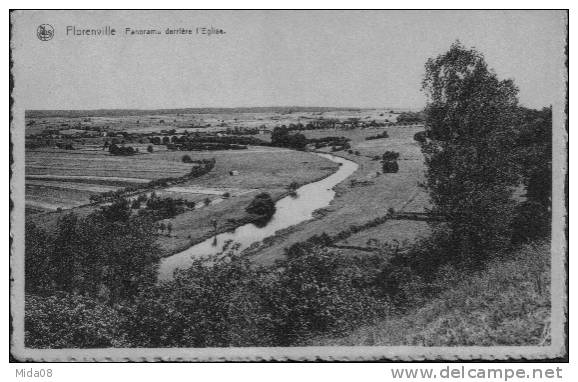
(121, 150)
(519, 313)
(135, 205)
(390, 167)
(186, 159)
(293, 186)
(118, 211)
(263, 206)
(91, 255)
(420, 137)
(164, 208)
(531, 222)
(229, 301)
(282, 138)
(71, 321)
(390, 156)
(377, 136)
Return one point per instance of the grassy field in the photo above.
(358, 204)
(102, 164)
(258, 169)
(147, 123)
(508, 303)
(66, 178)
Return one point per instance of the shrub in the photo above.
(390, 156)
(121, 150)
(420, 137)
(377, 136)
(293, 186)
(229, 301)
(531, 222)
(390, 167)
(282, 138)
(262, 206)
(119, 210)
(164, 208)
(71, 321)
(89, 255)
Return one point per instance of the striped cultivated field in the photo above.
(67, 178)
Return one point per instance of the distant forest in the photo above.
(205, 110)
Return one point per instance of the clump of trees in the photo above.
(389, 162)
(532, 218)
(221, 302)
(263, 207)
(281, 137)
(166, 208)
(109, 255)
(195, 146)
(198, 142)
(420, 137)
(383, 134)
(471, 169)
(202, 167)
(410, 118)
(336, 143)
(121, 150)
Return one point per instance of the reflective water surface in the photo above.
(291, 210)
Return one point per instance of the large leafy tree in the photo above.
(470, 166)
(534, 152)
(92, 256)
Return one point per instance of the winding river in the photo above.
(290, 211)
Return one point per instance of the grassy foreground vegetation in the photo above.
(506, 303)
(314, 296)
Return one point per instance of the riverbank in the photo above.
(232, 224)
(290, 211)
(364, 197)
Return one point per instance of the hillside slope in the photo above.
(508, 303)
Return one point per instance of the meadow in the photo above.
(61, 180)
(365, 195)
(65, 179)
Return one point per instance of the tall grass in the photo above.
(506, 303)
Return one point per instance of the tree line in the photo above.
(479, 146)
(202, 167)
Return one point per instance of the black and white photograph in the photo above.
(288, 185)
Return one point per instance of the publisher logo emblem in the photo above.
(45, 32)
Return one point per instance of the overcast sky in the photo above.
(298, 58)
